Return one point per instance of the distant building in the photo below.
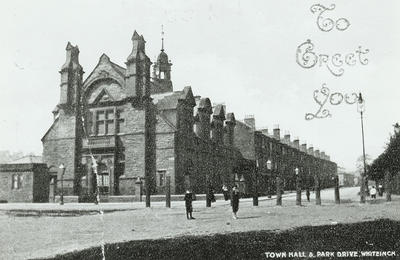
(284, 156)
(347, 179)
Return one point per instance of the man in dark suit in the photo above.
(235, 201)
(188, 203)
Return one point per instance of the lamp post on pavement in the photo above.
(255, 195)
(269, 168)
(361, 109)
(278, 188)
(298, 187)
(62, 167)
(94, 166)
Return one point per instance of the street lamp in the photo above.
(269, 168)
(298, 187)
(94, 166)
(62, 168)
(361, 109)
(255, 195)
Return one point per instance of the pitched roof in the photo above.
(28, 159)
(167, 100)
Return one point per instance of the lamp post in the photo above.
(298, 187)
(269, 168)
(94, 166)
(317, 182)
(62, 167)
(361, 109)
(255, 195)
(278, 188)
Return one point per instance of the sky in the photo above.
(241, 53)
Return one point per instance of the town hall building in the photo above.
(138, 129)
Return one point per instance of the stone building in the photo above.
(138, 130)
(24, 181)
(275, 156)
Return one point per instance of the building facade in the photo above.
(24, 182)
(124, 125)
(275, 157)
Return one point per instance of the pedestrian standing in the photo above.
(235, 201)
(308, 194)
(380, 190)
(373, 192)
(188, 203)
(225, 192)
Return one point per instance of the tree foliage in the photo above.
(389, 160)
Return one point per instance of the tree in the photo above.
(388, 163)
(360, 163)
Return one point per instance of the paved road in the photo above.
(326, 195)
(30, 237)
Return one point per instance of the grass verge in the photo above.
(378, 235)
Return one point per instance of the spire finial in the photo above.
(162, 37)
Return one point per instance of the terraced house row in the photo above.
(139, 130)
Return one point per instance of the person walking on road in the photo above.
(188, 203)
(225, 192)
(308, 194)
(235, 201)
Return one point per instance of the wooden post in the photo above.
(278, 191)
(337, 195)
(317, 191)
(255, 188)
(208, 199)
(138, 189)
(388, 186)
(168, 192)
(298, 190)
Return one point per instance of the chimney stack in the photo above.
(264, 131)
(303, 147)
(250, 121)
(229, 128)
(311, 150)
(286, 137)
(277, 132)
(296, 143)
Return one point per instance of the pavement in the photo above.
(106, 207)
(23, 236)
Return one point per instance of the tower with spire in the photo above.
(162, 71)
